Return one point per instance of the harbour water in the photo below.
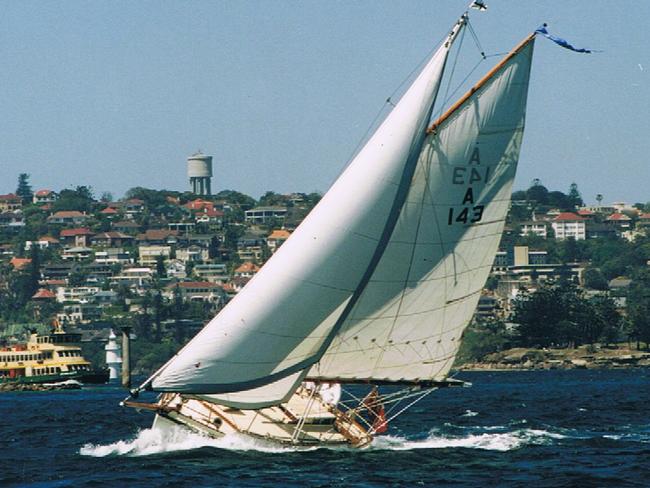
(545, 428)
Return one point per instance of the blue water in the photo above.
(548, 428)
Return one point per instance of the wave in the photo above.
(158, 441)
(469, 413)
(501, 441)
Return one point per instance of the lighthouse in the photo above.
(113, 356)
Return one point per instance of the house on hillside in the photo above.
(262, 215)
(41, 197)
(158, 237)
(534, 227)
(10, 203)
(277, 238)
(619, 221)
(112, 239)
(197, 291)
(569, 224)
(79, 236)
(67, 217)
(246, 270)
(126, 226)
(149, 254)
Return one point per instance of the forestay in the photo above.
(408, 323)
(281, 322)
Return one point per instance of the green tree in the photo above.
(594, 279)
(161, 271)
(81, 199)
(24, 189)
(271, 198)
(638, 306)
(556, 314)
(537, 193)
(575, 199)
(607, 319)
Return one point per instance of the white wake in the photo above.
(493, 441)
(158, 441)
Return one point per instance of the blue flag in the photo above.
(559, 41)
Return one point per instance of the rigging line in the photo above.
(458, 87)
(453, 70)
(389, 101)
(478, 43)
(404, 394)
(431, 390)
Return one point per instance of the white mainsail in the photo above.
(283, 320)
(408, 322)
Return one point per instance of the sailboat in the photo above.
(376, 285)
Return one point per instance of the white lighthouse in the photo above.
(113, 356)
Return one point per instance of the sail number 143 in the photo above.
(465, 215)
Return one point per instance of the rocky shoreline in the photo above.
(584, 357)
(15, 386)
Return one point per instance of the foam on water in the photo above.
(158, 441)
(501, 441)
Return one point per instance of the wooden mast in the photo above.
(479, 84)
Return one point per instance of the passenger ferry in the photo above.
(49, 358)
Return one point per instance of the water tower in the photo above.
(113, 357)
(199, 170)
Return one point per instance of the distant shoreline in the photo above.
(583, 357)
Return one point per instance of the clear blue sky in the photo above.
(118, 94)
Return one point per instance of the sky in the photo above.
(117, 94)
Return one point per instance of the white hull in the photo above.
(304, 420)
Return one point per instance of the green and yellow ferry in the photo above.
(48, 358)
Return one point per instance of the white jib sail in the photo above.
(278, 323)
(408, 323)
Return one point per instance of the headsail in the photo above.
(408, 322)
(281, 322)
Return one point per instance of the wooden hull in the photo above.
(305, 420)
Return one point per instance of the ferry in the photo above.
(49, 358)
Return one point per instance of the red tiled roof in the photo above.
(618, 216)
(112, 235)
(568, 216)
(44, 294)
(79, 231)
(19, 263)
(10, 197)
(645, 216)
(43, 193)
(68, 213)
(109, 210)
(279, 234)
(53, 282)
(199, 204)
(585, 212)
(156, 234)
(50, 239)
(248, 268)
